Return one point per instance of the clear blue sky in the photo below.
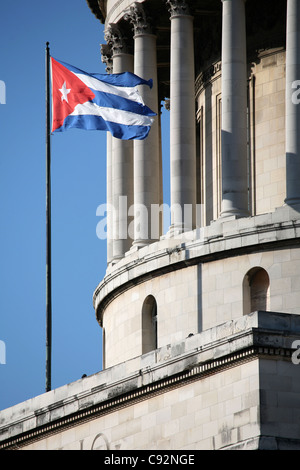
(78, 188)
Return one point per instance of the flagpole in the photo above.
(48, 228)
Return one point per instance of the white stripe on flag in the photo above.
(112, 115)
(130, 93)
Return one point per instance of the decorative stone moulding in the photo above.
(178, 7)
(106, 54)
(137, 16)
(116, 40)
(258, 336)
(206, 77)
(219, 240)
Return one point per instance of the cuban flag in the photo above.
(99, 102)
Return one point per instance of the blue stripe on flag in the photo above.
(91, 122)
(109, 100)
(126, 79)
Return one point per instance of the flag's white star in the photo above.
(65, 91)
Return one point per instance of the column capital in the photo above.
(138, 17)
(178, 7)
(106, 55)
(116, 40)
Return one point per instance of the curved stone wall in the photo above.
(232, 152)
(200, 281)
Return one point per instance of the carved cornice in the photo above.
(259, 335)
(176, 370)
(208, 76)
(98, 8)
(139, 18)
(209, 243)
(136, 394)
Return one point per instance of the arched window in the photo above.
(149, 325)
(256, 291)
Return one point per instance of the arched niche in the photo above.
(149, 325)
(256, 291)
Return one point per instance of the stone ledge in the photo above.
(266, 443)
(221, 239)
(260, 333)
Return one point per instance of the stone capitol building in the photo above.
(200, 322)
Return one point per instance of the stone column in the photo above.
(234, 110)
(293, 103)
(182, 117)
(106, 54)
(109, 198)
(146, 152)
(122, 156)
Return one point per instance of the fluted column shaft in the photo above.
(293, 103)
(122, 157)
(234, 110)
(109, 197)
(106, 54)
(122, 151)
(146, 152)
(182, 117)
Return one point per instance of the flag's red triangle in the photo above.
(67, 92)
